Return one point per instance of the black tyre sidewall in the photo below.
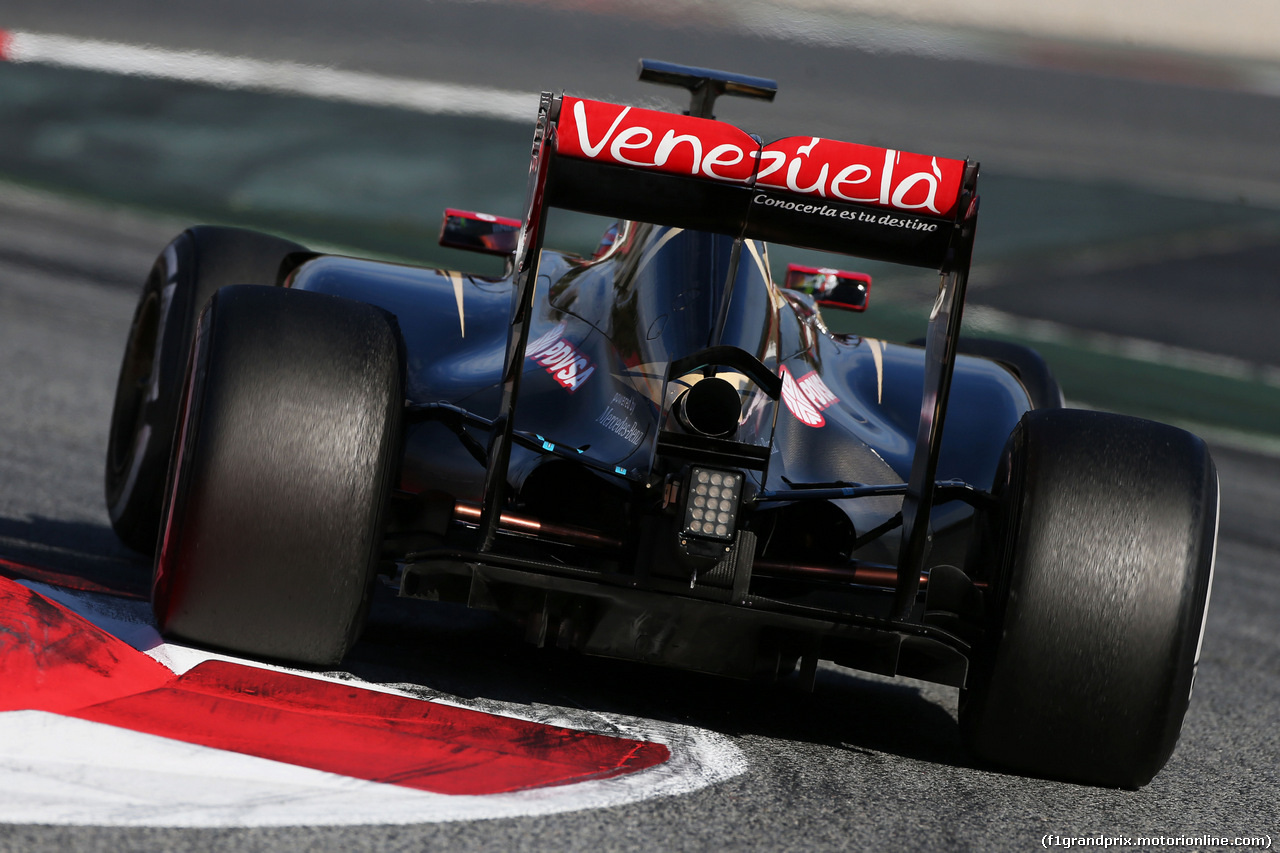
(139, 449)
(140, 443)
(178, 481)
(1026, 365)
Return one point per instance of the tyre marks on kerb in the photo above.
(53, 660)
(97, 732)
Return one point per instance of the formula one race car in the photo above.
(661, 454)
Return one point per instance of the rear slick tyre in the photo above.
(148, 391)
(285, 458)
(1025, 363)
(1109, 531)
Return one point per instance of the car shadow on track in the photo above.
(476, 656)
(482, 659)
(76, 554)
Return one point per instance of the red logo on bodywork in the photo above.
(564, 361)
(805, 165)
(808, 398)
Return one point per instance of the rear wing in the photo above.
(698, 173)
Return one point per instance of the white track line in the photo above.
(991, 320)
(292, 78)
(984, 319)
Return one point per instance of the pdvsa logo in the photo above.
(564, 361)
(807, 398)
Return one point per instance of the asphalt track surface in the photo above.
(861, 763)
(1037, 115)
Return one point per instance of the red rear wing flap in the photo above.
(805, 191)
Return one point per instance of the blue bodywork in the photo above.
(620, 320)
